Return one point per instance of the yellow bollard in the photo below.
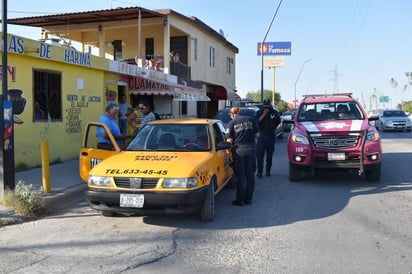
(45, 166)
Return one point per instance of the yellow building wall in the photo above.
(83, 99)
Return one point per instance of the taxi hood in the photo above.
(151, 164)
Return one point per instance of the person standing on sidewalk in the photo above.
(268, 119)
(124, 108)
(242, 132)
(109, 118)
(147, 113)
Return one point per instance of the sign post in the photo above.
(272, 49)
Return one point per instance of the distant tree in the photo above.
(407, 106)
(267, 94)
(282, 106)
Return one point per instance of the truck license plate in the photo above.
(336, 156)
(131, 200)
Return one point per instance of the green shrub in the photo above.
(21, 167)
(25, 200)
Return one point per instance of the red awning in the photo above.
(226, 93)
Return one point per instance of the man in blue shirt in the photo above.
(242, 132)
(109, 118)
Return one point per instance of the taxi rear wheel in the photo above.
(208, 209)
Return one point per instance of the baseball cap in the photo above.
(266, 102)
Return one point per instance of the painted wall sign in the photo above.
(139, 83)
(12, 72)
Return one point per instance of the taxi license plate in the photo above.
(131, 200)
(336, 156)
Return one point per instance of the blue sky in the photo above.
(353, 46)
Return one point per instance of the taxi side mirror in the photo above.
(224, 145)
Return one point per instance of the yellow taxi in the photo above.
(171, 166)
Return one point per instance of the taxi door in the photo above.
(92, 153)
(225, 169)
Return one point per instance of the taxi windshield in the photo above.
(172, 137)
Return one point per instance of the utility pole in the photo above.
(335, 80)
(7, 176)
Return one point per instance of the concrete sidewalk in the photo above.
(65, 184)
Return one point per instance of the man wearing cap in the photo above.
(109, 118)
(268, 119)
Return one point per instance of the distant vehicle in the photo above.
(287, 115)
(393, 119)
(251, 111)
(333, 131)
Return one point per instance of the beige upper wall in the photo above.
(200, 67)
(128, 32)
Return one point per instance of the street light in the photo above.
(300, 72)
(261, 50)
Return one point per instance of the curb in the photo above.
(55, 200)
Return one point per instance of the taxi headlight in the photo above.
(300, 139)
(372, 136)
(98, 180)
(180, 182)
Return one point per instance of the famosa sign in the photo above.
(274, 48)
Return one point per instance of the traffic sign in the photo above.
(384, 99)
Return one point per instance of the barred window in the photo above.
(47, 94)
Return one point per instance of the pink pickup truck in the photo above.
(333, 131)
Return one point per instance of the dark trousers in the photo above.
(265, 143)
(244, 158)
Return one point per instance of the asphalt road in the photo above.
(336, 223)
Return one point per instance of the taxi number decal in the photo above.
(204, 176)
(155, 157)
(137, 171)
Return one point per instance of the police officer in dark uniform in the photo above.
(242, 132)
(268, 120)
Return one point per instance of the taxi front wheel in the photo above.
(208, 209)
